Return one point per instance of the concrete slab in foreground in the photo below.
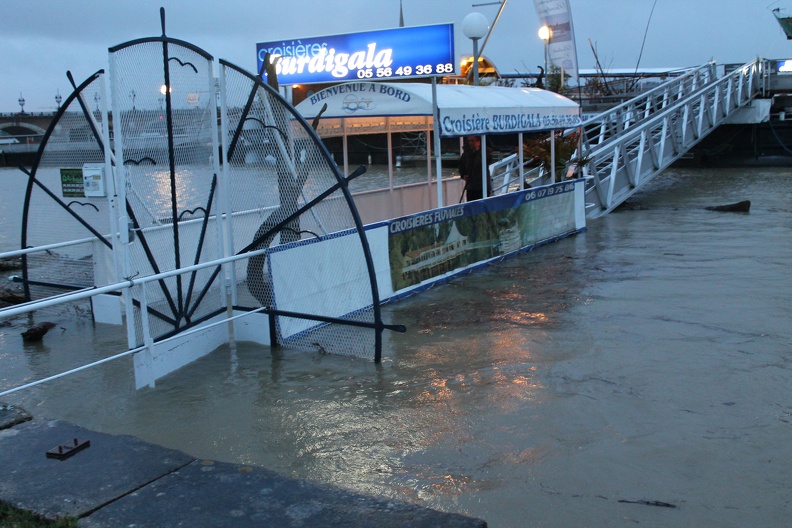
(220, 495)
(110, 467)
(123, 481)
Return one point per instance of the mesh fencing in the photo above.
(165, 123)
(281, 192)
(168, 202)
(57, 209)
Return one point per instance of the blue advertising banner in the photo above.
(435, 243)
(386, 54)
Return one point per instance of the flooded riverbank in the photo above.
(636, 373)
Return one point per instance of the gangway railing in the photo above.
(629, 145)
(507, 175)
(598, 130)
(611, 123)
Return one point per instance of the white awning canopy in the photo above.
(463, 110)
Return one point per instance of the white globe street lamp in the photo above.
(545, 33)
(475, 26)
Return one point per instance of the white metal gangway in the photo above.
(628, 145)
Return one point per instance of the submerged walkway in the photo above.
(123, 481)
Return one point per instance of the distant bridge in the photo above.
(21, 132)
(22, 124)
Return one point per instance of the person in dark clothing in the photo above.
(470, 168)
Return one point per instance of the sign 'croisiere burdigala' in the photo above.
(386, 54)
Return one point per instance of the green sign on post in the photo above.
(72, 184)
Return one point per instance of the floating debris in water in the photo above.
(37, 332)
(739, 207)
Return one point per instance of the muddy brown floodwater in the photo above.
(639, 373)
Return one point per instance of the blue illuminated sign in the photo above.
(387, 54)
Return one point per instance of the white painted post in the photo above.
(112, 185)
(552, 157)
(346, 154)
(148, 342)
(428, 156)
(123, 218)
(484, 168)
(438, 150)
(225, 218)
(390, 160)
(521, 160)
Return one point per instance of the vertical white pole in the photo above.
(484, 168)
(213, 85)
(390, 160)
(147, 341)
(110, 178)
(123, 218)
(225, 201)
(552, 157)
(521, 160)
(429, 153)
(438, 150)
(346, 155)
(224, 216)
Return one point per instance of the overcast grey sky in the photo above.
(41, 39)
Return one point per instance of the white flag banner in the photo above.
(561, 51)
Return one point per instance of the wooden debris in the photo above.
(739, 207)
(35, 333)
(9, 297)
(8, 264)
(650, 503)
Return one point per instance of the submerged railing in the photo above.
(71, 264)
(135, 302)
(86, 294)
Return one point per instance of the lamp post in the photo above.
(21, 102)
(545, 33)
(475, 27)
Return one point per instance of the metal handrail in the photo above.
(505, 174)
(609, 124)
(622, 163)
(126, 284)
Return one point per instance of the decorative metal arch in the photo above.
(42, 159)
(285, 128)
(200, 209)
